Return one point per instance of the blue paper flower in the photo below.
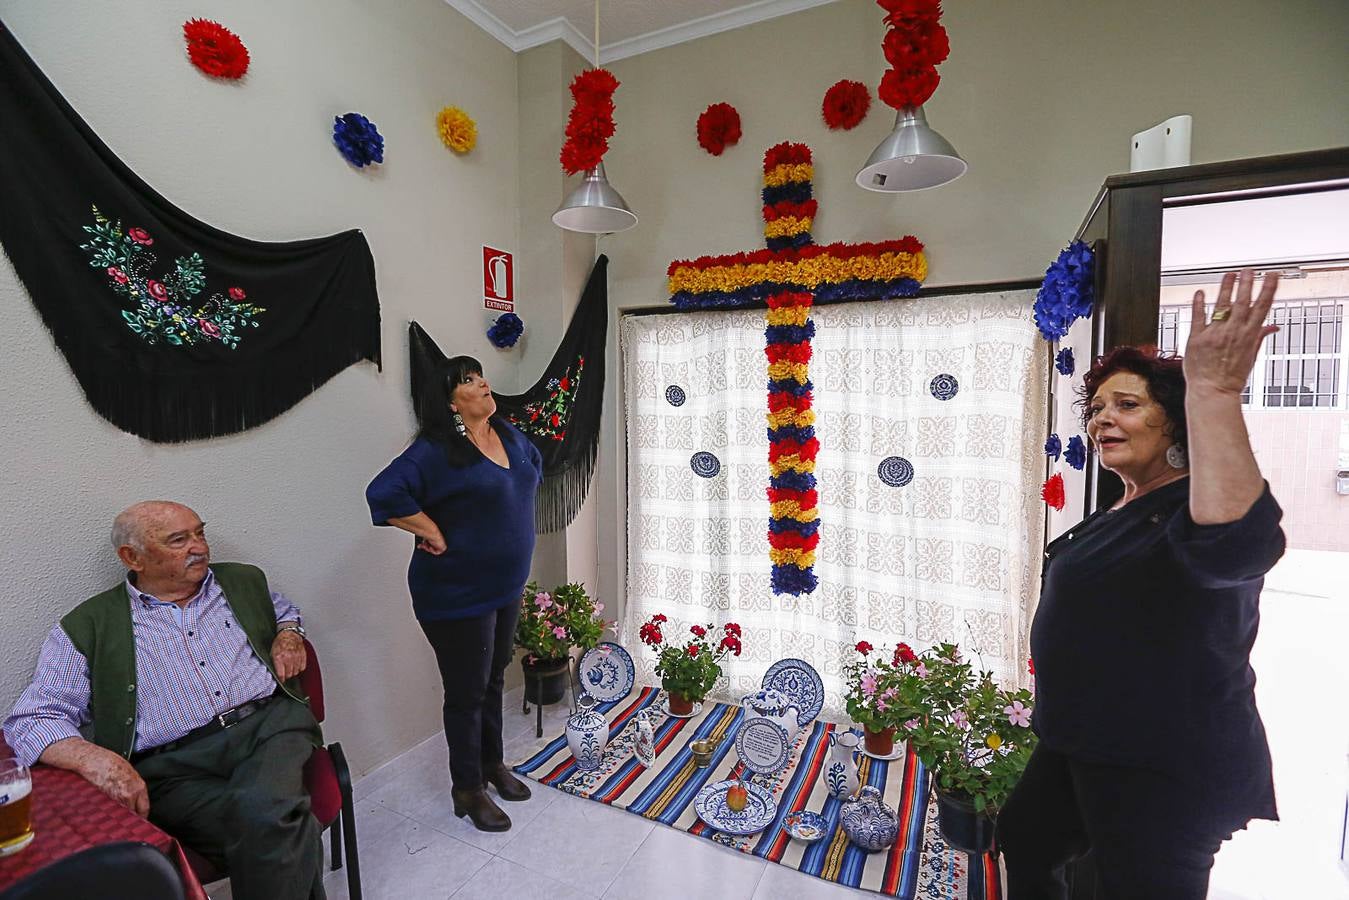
(358, 139)
(506, 330)
(1068, 291)
(1064, 361)
(1053, 448)
(1076, 453)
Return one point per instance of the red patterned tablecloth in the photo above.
(70, 815)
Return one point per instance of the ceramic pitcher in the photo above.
(840, 769)
(587, 733)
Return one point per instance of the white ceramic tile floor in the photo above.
(560, 848)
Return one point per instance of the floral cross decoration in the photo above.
(166, 308)
(789, 277)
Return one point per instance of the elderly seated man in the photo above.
(183, 676)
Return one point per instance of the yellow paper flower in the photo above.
(457, 130)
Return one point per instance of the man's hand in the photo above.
(288, 656)
(107, 771)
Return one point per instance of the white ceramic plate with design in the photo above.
(801, 683)
(759, 812)
(606, 672)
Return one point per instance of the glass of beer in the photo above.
(16, 797)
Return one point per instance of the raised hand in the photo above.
(1221, 352)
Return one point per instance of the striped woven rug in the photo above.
(919, 865)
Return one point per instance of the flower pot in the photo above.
(680, 705)
(881, 743)
(545, 680)
(963, 828)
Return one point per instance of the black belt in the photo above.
(219, 723)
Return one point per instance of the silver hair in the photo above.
(128, 529)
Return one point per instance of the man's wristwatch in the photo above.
(291, 626)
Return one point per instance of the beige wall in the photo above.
(257, 159)
(1041, 99)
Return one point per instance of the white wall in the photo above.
(256, 158)
(1041, 98)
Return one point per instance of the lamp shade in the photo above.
(594, 207)
(913, 157)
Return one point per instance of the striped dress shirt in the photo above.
(192, 663)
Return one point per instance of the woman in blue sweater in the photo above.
(465, 489)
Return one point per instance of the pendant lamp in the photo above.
(913, 157)
(595, 206)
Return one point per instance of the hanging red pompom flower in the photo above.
(846, 104)
(215, 49)
(915, 44)
(718, 128)
(591, 122)
(1052, 492)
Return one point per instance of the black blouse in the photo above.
(1142, 644)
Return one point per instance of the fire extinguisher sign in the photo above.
(498, 279)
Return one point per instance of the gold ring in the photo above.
(1222, 314)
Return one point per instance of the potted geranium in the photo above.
(882, 694)
(551, 623)
(975, 738)
(687, 671)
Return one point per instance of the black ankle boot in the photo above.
(481, 809)
(508, 786)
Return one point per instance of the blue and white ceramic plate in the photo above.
(805, 826)
(607, 672)
(799, 681)
(763, 745)
(759, 812)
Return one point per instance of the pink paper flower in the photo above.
(1017, 714)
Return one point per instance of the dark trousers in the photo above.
(238, 798)
(1142, 828)
(473, 654)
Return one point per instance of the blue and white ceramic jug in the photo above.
(840, 769)
(587, 733)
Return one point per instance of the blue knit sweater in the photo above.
(485, 512)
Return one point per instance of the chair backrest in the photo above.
(131, 870)
(311, 679)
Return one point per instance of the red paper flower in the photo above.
(912, 87)
(846, 104)
(863, 647)
(915, 45)
(785, 152)
(215, 49)
(591, 122)
(718, 128)
(1052, 492)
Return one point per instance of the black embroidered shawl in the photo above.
(560, 414)
(175, 330)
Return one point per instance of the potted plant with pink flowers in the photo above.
(551, 624)
(883, 693)
(975, 738)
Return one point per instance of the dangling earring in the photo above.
(463, 432)
(1175, 457)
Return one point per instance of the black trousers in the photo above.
(473, 654)
(1146, 835)
(238, 798)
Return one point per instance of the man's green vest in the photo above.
(100, 628)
